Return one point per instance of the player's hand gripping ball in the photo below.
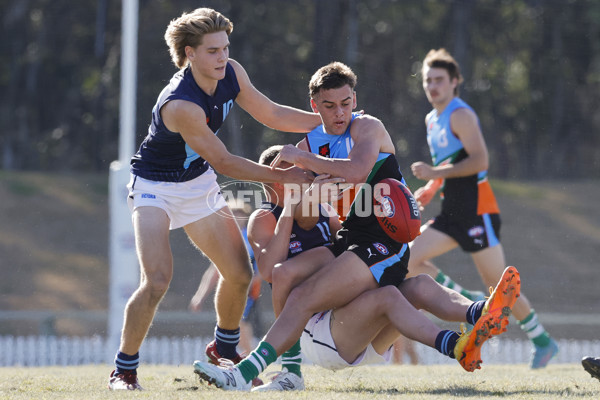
(396, 210)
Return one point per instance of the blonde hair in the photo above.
(189, 30)
(441, 58)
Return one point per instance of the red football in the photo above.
(396, 210)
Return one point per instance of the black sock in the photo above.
(474, 311)
(227, 341)
(126, 363)
(445, 342)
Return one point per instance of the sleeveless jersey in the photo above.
(300, 239)
(163, 155)
(464, 196)
(359, 214)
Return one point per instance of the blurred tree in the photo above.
(532, 71)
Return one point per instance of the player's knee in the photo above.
(282, 276)
(422, 282)
(387, 296)
(303, 300)
(417, 288)
(157, 284)
(237, 275)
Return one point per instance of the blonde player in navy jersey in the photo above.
(172, 179)
(470, 217)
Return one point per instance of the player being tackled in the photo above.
(489, 318)
(493, 320)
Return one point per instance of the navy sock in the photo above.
(227, 341)
(445, 342)
(125, 362)
(474, 311)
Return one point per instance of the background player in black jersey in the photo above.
(172, 181)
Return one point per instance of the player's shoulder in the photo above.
(367, 119)
(235, 64)
(175, 111)
(368, 127)
(239, 70)
(463, 117)
(366, 123)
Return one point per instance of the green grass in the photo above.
(558, 381)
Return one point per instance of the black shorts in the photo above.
(472, 234)
(386, 259)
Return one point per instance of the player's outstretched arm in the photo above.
(370, 137)
(269, 113)
(189, 119)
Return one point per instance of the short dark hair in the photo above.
(267, 156)
(332, 76)
(441, 58)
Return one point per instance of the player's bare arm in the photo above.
(464, 125)
(189, 120)
(269, 239)
(370, 137)
(269, 113)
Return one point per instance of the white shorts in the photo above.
(184, 202)
(318, 346)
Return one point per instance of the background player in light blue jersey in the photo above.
(173, 184)
(470, 217)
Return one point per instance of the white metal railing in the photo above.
(62, 351)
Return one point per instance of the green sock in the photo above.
(534, 330)
(257, 361)
(446, 281)
(292, 359)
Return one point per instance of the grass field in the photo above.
(558, 381)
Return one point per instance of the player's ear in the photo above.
(189, 52)
(313, 105)
(354, 103)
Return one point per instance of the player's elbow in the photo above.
(222, 163)
(483, 162)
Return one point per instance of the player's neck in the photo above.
(207, 84)
(440, 107)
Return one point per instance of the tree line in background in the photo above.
(532, 72)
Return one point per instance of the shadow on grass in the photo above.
(460, 391)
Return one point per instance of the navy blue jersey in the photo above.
(163, 155)
(300, 239)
